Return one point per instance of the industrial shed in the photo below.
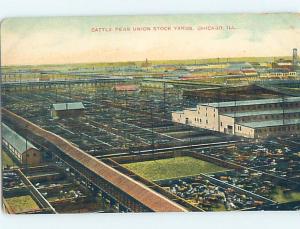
(22, 150)
(65, 110)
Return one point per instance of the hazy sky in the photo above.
(71, 40)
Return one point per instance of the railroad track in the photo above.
(193, 146)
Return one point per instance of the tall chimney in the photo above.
(295, 61)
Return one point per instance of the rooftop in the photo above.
(271, 123)
(191, 109)
(14, 139)
(251, 102)
(124, 87)
(68, 106)
(263, 112)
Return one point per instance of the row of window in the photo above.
(277, 129)
(12, 150)
(259, 106)
(28, 155)
(200, 120)
(205, 109)
(269, 117)
(15, 152)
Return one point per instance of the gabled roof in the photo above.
(15, 140)
(68, 106)
(252, 102)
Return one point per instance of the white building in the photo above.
(251, 118)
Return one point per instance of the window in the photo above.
(34, 154)
(186, 120)
(221, 124)
(206, 121)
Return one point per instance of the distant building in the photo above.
(21, 149)
(278, 73)
(249, 72)
(126, 88)
(291, 65)
(146, 63)
(285, 64)
(250, 118)
(65, 110)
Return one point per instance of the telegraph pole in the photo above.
(165, 114)
(152, 126)
(283, 109)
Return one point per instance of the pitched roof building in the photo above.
(65, 110)
(21, 149)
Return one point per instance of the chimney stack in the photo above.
(295, 61)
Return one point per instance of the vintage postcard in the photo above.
(175, 113)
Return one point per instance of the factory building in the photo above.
(250, 118)
(65, 110)
(21, 149)
(249, 72)
(278, 73)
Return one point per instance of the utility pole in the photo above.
(283, 109)
(235, 109)
(26, 147)
(56, 94)
(70, 94)
(95, 96)
(165, 112)
(219, 100)
(152, 127)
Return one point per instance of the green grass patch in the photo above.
(172, 167)
(22, 204)
(281, 197)
(6, 160)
